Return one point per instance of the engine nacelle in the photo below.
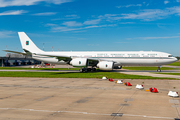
(79, 62)
(105, 65)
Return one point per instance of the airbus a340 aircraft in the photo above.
(104, 60)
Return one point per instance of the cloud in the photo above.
(94, 26)
(127, 23)
(122, 42)
(131, 5)
(14, 12)
(67, 26)
(150, 38)
(67, 17)
(45, 14)
(177, 0)
(72, 23)
(64, 29)
(110, 17)
(6, 3)
(92, 22)
(50, 24)
(145, 15)
(72, 16)
(73, 26)
(174, 10)
(57, 1)
(6, 34)
(166, 2)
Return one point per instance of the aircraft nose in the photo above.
(175, 59)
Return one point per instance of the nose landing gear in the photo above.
(159, 68)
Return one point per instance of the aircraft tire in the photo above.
(93, 69)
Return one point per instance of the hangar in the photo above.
(17, 60)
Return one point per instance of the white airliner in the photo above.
(104, 60)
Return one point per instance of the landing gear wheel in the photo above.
(93, 69)
(89, 69)
(83, 70)
(159, 68)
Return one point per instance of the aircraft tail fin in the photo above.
(27, 44)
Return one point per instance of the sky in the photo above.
(92, 25)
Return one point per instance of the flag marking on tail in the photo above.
(27, 42)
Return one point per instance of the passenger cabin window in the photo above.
(169, 55)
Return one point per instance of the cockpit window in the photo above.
(170, 56)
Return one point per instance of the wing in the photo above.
(59, 57)
(92, 61)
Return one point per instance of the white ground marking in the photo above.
(33, 110)
(148, 116)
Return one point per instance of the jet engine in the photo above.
(79, 62)
(105, 65)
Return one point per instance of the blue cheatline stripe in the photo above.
(117, 57)
(133, 57)
(42, 57)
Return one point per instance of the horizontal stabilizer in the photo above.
(22, 53)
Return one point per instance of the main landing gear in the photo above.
(83, 70)
(87, 69)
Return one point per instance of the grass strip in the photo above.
(169, 73)
(129, 68)
(149, 68)
(75, 75)
(19, 68)
(177, 63)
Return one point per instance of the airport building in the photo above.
(17, 60)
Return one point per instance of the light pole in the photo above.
(2, 63)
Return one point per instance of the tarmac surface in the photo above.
(152, 74)
(91, 99)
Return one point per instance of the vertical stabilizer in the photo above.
(27, 43)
